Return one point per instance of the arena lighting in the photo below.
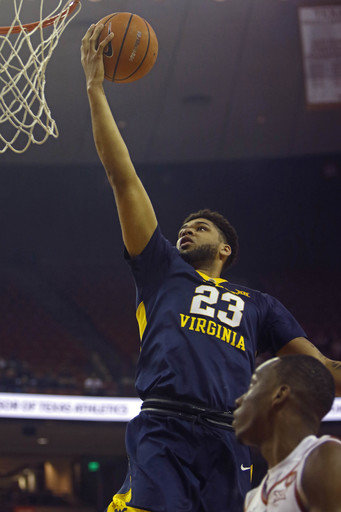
(66, 407)
(42, 441)
(93, 466)
(85, 408)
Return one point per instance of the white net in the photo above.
(25, 50)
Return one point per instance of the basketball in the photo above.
(132, 52)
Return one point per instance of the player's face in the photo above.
(251, 416)
(200, 240)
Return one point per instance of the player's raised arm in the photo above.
(136, 214)
(303, 346)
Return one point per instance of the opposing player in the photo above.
(199, 335)
(281, 414)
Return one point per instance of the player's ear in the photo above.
(225, 250)
(280, 394)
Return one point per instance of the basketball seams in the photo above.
(121, 47)
(142, 60)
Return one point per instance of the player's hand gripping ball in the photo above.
(132, 52)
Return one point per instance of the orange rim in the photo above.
(28, 27)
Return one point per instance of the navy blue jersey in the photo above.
(199, 336)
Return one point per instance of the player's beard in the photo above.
(201, 256)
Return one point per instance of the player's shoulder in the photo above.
(246, 291)
(158, 244)
(322, 471)
(325, 453)
(325, 447)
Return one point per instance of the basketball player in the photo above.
(280, 414)
(199, 335)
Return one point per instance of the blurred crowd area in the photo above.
(75, 335)
(314, 298)
(14, 498)
(19, 376)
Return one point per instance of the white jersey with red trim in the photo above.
(281, 488)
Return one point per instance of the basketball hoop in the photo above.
(25, 50)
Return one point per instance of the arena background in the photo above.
(222, 121)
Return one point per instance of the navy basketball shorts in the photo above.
(177, 465)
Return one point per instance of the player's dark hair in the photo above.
(311, 382)
(227, 230)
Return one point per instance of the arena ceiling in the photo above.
(229, 83)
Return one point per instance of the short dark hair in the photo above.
(311, 382)
(224, 226)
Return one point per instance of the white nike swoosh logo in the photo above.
(245, 468)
